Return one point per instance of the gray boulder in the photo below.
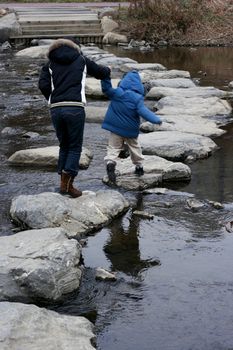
(148, 75)
(157, 170)
(108, 25)
(185, 123)
(9, 26)
(127, 67)
(34, 52)
(204, 107)
(175, 83)
(38, 265)
(93, 87)
(180, 90)
(95, 114)
(28, 327)
(45, 157)
(114, 38)
(177, 146)
(77, 216)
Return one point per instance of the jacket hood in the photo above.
(63, 51)
(132, 81)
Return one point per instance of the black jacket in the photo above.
(62, 79)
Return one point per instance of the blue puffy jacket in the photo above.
(126, 106)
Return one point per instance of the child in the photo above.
(123, 120)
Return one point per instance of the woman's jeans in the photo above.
(69, 125)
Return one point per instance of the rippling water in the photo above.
(185, 301)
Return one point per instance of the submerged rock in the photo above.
(166, 191)
(143, 214)
(77, 216)
(195, 204)
(29, 327)
(103, 275)
(38, 265)
(45, 157)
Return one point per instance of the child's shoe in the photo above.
(139, 170)
(111, 172)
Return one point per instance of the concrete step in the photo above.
(64, 31)
(59, 35)
(71, 28)
(83, 38)
(63, 9)
(55, 18)
(59, 21)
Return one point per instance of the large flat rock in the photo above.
(185, 123)
(28, 327)
(127, 67)
(45, 157)
(183, 90)
(204, 107)
(177, 146)
(95, 114)
(173, 83)
(93, 87)
(77, 216)
(149, 74)
(157, 170)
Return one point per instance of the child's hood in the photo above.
(132, 81)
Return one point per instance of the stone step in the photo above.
(57, 32)
(59, 35)
(51, 9)
(59, 23)
(94, 38)
(55, 18)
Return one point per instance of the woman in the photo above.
(62, 82)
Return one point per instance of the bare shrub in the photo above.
(169, 19)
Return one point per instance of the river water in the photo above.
(185, 302)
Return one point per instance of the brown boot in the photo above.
(72, 191)
(67, 186)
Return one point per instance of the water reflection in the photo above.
(122, 248)
(212, 65)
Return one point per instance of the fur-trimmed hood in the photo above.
(63, 51)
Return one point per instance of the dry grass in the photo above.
(182, 21)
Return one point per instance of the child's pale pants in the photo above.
(115, 145)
